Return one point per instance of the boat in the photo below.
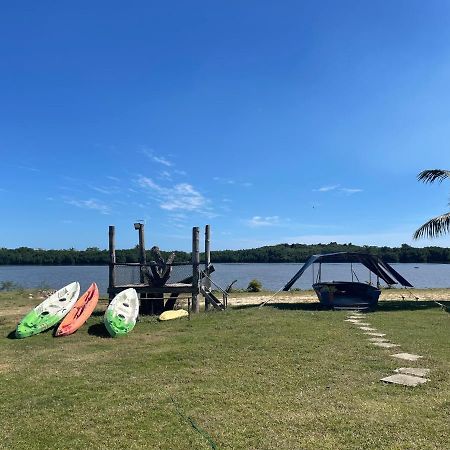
(48, 313)
(80, 312)
(121, 315)
(350, 294)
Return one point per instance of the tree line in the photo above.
(281, 253)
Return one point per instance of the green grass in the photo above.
(287, 377)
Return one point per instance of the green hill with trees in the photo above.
(281, 253)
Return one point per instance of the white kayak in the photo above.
(121, 315)
(50, 312)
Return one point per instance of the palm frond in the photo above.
(430, 176)
(434, 227)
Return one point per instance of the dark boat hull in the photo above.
(347, 294)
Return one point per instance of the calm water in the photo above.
(272, 276)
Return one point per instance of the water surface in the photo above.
(272, 276)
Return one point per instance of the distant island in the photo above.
(281, 253)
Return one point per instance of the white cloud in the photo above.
(259, 221)
(327, 188)
(350, 191)
(105, 190)
(29, 168)
(165, 175)
(156, 158)
(180, 197)
(90, 204)
(162, 160)
(232, 182)
(336, 187)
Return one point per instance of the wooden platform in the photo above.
(174, 288)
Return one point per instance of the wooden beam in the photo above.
(195, 268)
(144, 288)
(207, 259)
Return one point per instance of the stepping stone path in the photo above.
(406, 380)
(378, 339)
(406, 376)
(415, 371)
(407, 356)
(385, 344)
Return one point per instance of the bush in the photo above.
(254, 286)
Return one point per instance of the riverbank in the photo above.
(309, 296)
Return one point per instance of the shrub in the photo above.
(254, 286)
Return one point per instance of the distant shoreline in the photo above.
(281, 253)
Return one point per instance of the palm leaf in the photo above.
(430, 176)
(434, 227)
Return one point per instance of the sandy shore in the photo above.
(247, 298)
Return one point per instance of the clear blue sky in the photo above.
(274, 121)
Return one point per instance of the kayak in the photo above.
(51, 311)
(175, 314)
(80, 312)
(121, 315)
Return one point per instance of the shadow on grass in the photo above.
(99, 330)
(316, 306)
(387, 305)
(12, 335)
(413, 305)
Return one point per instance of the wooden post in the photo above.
(195, 268)
(207, 248)
(207, 258)
(142, 257)
(112, 260)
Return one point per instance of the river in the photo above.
(272, 276)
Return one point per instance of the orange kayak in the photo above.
(80, 312)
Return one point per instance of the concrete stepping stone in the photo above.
(360, 316)
(352, 320)
(364, 324)
(367, 329)
(378, 339)
(407, 356)
(415, 371)
(405, 380)
(385, 344)
(371, 333)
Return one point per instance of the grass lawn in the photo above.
(286, 376)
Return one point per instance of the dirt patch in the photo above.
(5, 368)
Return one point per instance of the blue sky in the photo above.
(291, 121)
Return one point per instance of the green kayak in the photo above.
(51, 311)
(121, 315)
